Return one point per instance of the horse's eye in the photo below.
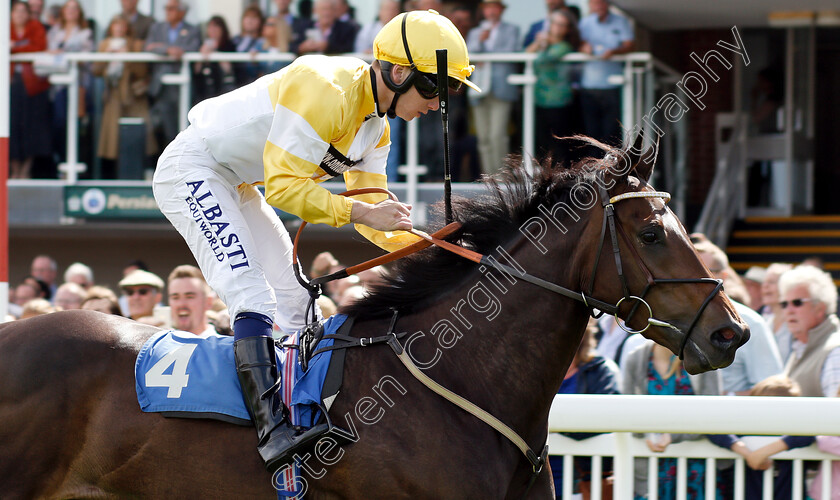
(649, 238)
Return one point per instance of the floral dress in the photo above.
(677, 384)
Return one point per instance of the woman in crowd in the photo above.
(29, 101)
(71, 34)
(273, 41)
(125, 92)
(214, 78)
(553, 91)
(653, 369)
(248, 40)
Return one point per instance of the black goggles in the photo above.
(427, 86)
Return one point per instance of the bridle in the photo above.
(608, 226)
(609, 221)
(596, 307)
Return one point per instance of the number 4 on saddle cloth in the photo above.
(181, 375)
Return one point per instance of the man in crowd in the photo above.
(45, 269)
(189, 300)
(604, 35)
(140, 24)
(172, 38)
(143, 290)
(809, 302)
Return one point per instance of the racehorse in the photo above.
(71, 426)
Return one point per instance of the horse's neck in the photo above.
(503, 346)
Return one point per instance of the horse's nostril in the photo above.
(724, 336)
(727, 334)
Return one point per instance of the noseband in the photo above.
(608, 203)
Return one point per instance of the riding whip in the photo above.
(443, 92)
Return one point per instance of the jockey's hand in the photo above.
(388, 215)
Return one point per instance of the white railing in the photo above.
(622, 415)
(638, 93)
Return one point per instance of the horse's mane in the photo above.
(487, 221)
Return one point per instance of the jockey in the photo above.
(315, 119)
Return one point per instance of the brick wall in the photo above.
(674, 48)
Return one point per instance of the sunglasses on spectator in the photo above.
(794, 302)
(427, 87)
(139, 291)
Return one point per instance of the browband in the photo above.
(642, 194)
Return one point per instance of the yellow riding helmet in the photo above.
(413, 37)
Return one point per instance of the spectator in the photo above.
(270, 42)
(42, 289)
(753, 279)
(809, 301)
(45, 269)
(143, 290)
(541, 26)
(828, 444)
(140, 24)
(772, 309)
(604, 35)
(190, 299)
(102, 299)
(37, 307)
(324, 263)
(126, 84)
(71, 35)
(69, 296)
(53, 17)
(322, 107)
(346, 14)
(555, 111)
(291, 30)
(463, 144)
(588, 373)
(388, 9)
(613, 342)
(36, 10)
(214, 78)
(351, 295)
(653, 369)
(23, 293)
(330, 35)
(248, 40)
(328, 307)
(492, 107)
(128, 269)
(759, 358)
(29, 105)
(757, 450)
(171, 37)
(80, 274)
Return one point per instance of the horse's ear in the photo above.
(646, 162)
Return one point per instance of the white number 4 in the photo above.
(179, 378)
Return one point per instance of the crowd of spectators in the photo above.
(568, 100)
(793, 350)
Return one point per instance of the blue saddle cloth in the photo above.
(181, 374)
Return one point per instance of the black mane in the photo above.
(487, 221)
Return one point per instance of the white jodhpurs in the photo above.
(240, 244)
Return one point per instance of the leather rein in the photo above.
(437, 239)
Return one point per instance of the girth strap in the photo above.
(536, 461)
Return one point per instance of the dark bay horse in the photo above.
(71, 427)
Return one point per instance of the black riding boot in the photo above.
(279, 440)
